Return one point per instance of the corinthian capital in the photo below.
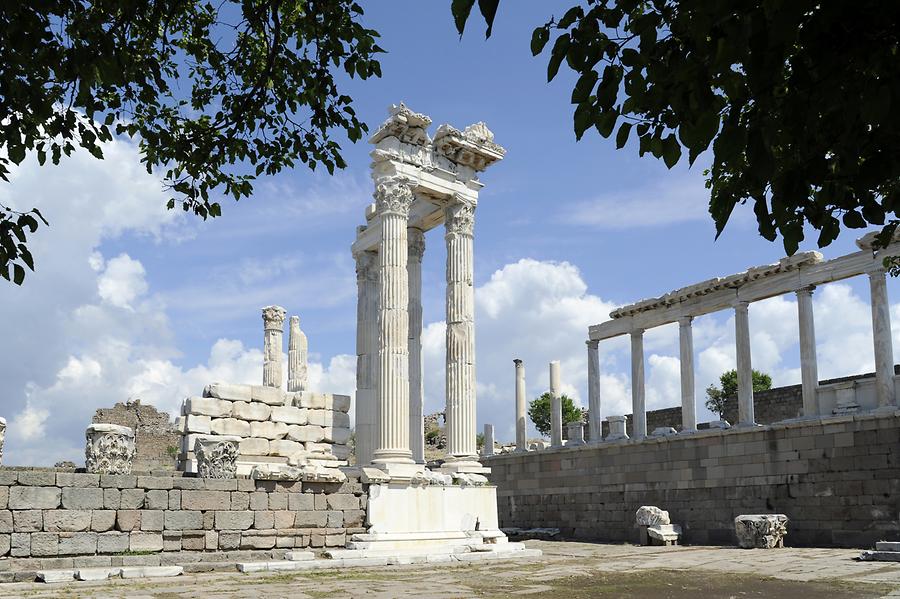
(273, 318)
(393, 194)
(416, 242)
(459, 217)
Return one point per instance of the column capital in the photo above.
(685, 321)
(517, 361)
(459, 217)
(273, 318)
(637, 333)
(741, 305)
(592, 343)
(415, 239)
(877, 272)
(808, 290)
(393, 195)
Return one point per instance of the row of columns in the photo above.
(390, 422)
(883, 347)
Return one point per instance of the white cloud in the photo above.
(122, 281)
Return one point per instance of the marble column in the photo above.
(881, 336)
(298, 352)
(638, 401)
(366, 348)
(744, 366)
(809, 372)
(521, 423)
(556, 439)
(488, 448)
(416, 245)
(393, 197)
(459, 222)
(686, 357)
(595, 425)
(273, 327)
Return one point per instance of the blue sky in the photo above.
(131, 300)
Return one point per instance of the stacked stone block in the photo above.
(46, 514)
(273, 425)
(837, 480)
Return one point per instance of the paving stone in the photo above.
(55, 576)
(175, 499)
(112, 499)
(6, 521)
(118, 481)
(268, 395)
(289, 415)
(341, 501)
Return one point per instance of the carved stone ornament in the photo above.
(2, 436)
(273, 317)
(216, 456)
(473, 147)
(404, 124)
(393, 194)
(109, 449)
(416, 242)
(650, 515)
(762, 531)
(459, 218)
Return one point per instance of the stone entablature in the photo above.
(47, 514)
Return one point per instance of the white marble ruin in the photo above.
(2, 436)
(761, 531)
(556, 439)
(885, 551)
(655, 526)
(617, 428)
(488, 449)
(279, 433)
(799, 274)
(420, 184)
(216, 455)
(521, 423)
(574, 434)
(109, 449)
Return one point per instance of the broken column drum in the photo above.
(109, 449)
(298, 353)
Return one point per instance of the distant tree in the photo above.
(539, 412)
(716, 396)
(797, 100)
(479, 441)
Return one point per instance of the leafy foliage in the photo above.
(539, 412)
(798, 100)
(218, 93)
(728, 381)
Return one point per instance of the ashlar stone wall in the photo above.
(837, 479)
(156, 441)
(47, 513)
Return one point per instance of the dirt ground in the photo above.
(566, 571)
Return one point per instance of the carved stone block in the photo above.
(109, 449)
(763, 531)
(216, 455)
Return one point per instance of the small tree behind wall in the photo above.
(717, 396)
(539, 412)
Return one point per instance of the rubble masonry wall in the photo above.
(837, 479)
(50, 513)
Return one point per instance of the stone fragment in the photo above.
(254, 446)
(151, 571)
(268, 430)
(251, 411)
(127, 520)
(109, 449)
(6, 522)
(132, 499)
(663, 534)
(216, 456)
(289, 415)
(230, 426)
(96, 573)
(227, 391)
(157, 499)
(284, 448)
(194, 423)
(764, 531)
(663, 431)
(54, 576)
(77, 479)
(304, 434)
(208, 406)
(298, 351)
(211, 540)
(267, 395)
(39, 498)
(339, 403)
(650, 515)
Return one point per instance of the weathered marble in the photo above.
(763, 531)
(298, 352)
(521, 422)
(217, 455)
(638, 399)
(686, 359)
(596, 419)
(616, 428)
(273, 326)
(575, 434)
(881, 336)
(809, 372)
(416, 245)
(744, 366)
(488, 448)
(109, 449)
(556, 439)
(650, 515)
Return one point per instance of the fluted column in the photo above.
(298, 352)
(366, 348)
(881, 336)
(521, 423)
(686, 357)
(595, 426)
(556, 439)
(393, 197)
(416, 245)
(809, 371)
(744, 365)
(273, 331)
(459, 221)
(638, 401)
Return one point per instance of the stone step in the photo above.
(51, 576)
(151, 571)
(299, 556)
(880, 556)
(887, 546)
(96, 573)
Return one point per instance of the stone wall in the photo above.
(837, 479)
(48, 513)
(156, 441)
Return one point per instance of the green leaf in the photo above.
(461, 10)
(557, 55)
(606, 122)
(671, 151)
(584, 87)
(576, 12)
(18, 274)
(854, 220)
(622, 135)
(488, 10)
(539, 39)
(583, 119)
